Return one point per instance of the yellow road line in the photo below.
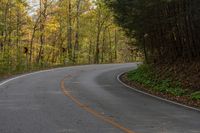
(109, 120)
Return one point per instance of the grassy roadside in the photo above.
(145, 77)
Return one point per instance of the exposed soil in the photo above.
(179, 99)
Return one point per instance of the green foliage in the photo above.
(52, 34)
(145, 75)
(196, 95)
(159, 26)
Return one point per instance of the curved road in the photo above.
(87, 99)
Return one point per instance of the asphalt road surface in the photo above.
(87, 99)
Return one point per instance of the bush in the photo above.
(145, 75)
(196, 95)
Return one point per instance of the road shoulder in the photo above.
(122, 78)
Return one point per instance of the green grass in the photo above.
(195, 95)
(145, 75)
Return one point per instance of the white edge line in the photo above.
(37, 72)
(159, 98)
(33, 73)
(118, 78)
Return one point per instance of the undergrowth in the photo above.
(146, 76)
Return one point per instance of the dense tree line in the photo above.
(58, 32)
(166, 30)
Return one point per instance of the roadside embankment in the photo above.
(164, 83)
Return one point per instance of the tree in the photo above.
(166, 30)
(57, 32)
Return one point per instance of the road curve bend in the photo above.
(87, 99)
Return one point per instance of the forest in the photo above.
(167, 32)
(37, 34)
